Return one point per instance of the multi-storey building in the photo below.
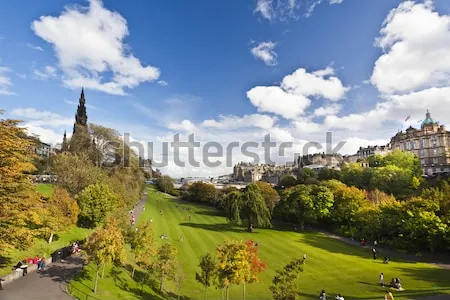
(431, 143)
(365, 152)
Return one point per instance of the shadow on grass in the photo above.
(140, 277)
(213, 213)
(439, 276)
(217, 227)
(336, 246)
(417, 295)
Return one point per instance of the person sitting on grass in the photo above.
(386, 260)
(339, 297)
(388, 295)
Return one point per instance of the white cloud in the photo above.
(331, 109)
(235, 122)
(5, 82)
(265, 51)
(46, 73)
(416, 44)
(319, 83)
(163, 83)
(312, 4)
(36, 118)
(185, 125)
(34, 47)
(336, 1)
(264, 7)
(275, 100)
(46, 135)
(292, 97)
(95, 49)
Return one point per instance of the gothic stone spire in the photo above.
(81, 116)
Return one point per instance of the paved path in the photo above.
(50, 284)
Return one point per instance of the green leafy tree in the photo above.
(63, 211)
(287, 181)
(284, 284)
(105, 144)
(104, 246)
(306, 203)
(232, 204)
(208, 272)
(165, 264)
(269, 194)
(256, 264)
(95, 202)
(75, 172)
(165, 184)
(254, 208)
(202, 192)
(142, 244)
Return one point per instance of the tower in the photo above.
(81, 115)
(65, 145)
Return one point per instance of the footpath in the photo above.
(52, 283)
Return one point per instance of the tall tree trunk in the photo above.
(103, 271)
(227, 293)
(96, 280)
(134, 269)
(50, 239)
(161, 284)
(179, 293)
(206, 293)
(244, 291)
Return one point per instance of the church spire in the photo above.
(81, 116)
(65, 145)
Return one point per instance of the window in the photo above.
(435, 160)
(435, 152)
(422, 144)
(422, 153)
(422, 161)
(434, 142)
(405, 145)
(412, 145)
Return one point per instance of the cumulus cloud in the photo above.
(293, 96)
(95, 56)
(416, 43)
(185, 125)
(235, 122)
(265, 52)
(5, 82)
(37, 118)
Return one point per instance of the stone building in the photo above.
(431, 143)
(365, 152)
(248, 172)
(320, 161)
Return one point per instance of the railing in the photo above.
(78, 294)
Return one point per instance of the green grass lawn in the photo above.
(45, 189)
(331, 264)
(40, 246)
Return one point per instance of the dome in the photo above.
(428, 120)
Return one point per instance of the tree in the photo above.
(75, 172)
(21, 208)
(104, 246)
(179, 278)
(254, 208)
(165, 184)
(233, 264)
(208, 272)
(232, 204)
(142, 244)
(284, 286)
(256, 264)
(95, 202)
(269, 194)
(306, 203)
(63, 211)
(165, 264)
(202, 192)
(287, 181)
(105, 144)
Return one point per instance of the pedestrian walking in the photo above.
(382, 279)
(374, 252)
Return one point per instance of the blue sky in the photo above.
(227, 70)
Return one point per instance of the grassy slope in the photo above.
(40, 246)
(331, 265)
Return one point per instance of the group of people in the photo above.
(323, 296)
(75, 248)
(23, 265)
(132, 218)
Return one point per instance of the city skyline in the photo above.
(288, 71)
